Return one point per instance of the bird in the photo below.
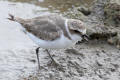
(52, 31)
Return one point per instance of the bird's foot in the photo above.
(56, 65)
(53, 63)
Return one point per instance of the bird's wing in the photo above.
(44, 29)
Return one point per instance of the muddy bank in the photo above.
(108, 21)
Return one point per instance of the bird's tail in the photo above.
(11, 17)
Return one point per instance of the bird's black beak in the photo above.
(85, 37)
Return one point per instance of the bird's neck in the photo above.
(75, 36)
(71, 33)
(67, 28)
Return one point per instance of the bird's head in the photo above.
(78, 27)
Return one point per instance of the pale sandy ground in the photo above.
(86, 61)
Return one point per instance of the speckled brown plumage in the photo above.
(45, 27)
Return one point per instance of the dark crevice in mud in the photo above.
(84, 10)
(102, 35)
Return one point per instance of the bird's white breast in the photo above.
(59, 43)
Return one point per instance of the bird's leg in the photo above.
(37, 53)
(54, 62)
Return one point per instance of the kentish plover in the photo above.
(52, 31)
